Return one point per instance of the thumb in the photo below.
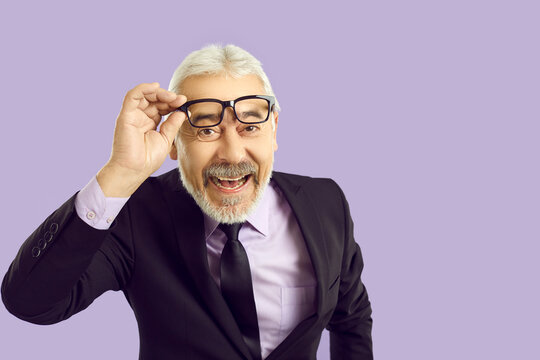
(169, 128)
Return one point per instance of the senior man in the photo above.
(220, 259)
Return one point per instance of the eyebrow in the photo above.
(252, 113)
(199, 117)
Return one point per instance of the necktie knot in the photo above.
(231, 230)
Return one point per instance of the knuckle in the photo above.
(131, 92)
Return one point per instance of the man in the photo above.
(223, 259)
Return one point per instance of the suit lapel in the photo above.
(189, 228)
(310, 225)
(192, 246)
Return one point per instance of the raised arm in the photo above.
(66, 263)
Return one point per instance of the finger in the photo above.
(169, 128)
(143, 121)
(165, 96)
(165, 108)
(156, 110)
(134, 96)
(161, 95)
(179, 101)
(153, 113)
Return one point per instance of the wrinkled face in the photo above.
(226, 167)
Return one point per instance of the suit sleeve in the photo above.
(65, 264)
(351, 323)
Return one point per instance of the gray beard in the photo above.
(228, 212)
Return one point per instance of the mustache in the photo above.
(229, 170)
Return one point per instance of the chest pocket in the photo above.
(297, 304)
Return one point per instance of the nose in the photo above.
(231, 147)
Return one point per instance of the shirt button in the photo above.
(110, 220)
(90, 215)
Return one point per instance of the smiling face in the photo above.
(226, 167)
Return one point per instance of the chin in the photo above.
(230, 211)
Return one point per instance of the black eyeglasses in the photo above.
(251, 109)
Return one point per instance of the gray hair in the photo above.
(216, 59)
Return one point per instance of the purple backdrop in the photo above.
(426, 113)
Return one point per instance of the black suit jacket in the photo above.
(156, 254)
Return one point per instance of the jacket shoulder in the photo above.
(296, 182)
(168, 181)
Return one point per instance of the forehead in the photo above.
(222, 87)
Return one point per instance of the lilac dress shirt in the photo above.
(284, 283)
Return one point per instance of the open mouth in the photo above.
(230, 184)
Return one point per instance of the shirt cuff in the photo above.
(94, 208)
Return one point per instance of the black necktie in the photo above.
(237, 288)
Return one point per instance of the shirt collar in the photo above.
(258, 219)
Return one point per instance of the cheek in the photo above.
(264, 156)
(195, 159)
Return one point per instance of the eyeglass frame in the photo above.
(229, 103)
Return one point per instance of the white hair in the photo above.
(235, 62)
(216, 59)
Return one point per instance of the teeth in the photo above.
(230, 179)
(241, 181)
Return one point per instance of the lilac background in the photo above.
(425, 112)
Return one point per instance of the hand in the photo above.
(138, 148)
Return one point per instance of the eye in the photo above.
(251, 128)
(207, 134)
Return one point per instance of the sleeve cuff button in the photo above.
(54, 228)
(42, 244)
(36, 251)
(48, 236)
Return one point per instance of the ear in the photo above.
(276, 116)
(174, 153)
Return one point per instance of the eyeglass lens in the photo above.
(208, 113)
